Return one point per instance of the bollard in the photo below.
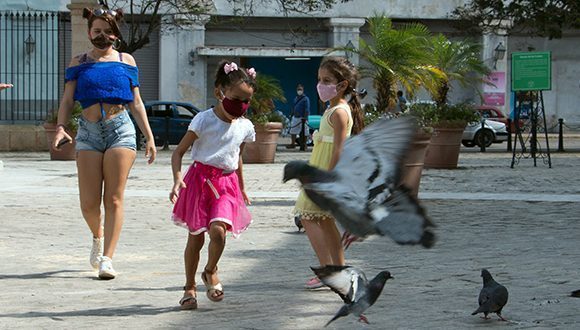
(560, 135)
(166, 143)
(509, 130)
(482, 143)
(302, 135)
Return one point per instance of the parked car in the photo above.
(314, 123)
(491, 132)
(168, 120)
(493, 113)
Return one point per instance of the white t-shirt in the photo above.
(218, 142)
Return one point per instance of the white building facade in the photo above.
(179, 64)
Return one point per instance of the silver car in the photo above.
(491, 132)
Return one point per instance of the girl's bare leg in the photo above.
(217, 235)
(90, 176)
(191, 261)
(333, 242)
(325, 240)
(117, 163)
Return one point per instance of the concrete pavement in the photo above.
(522, 224)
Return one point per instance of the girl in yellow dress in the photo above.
(337, 81)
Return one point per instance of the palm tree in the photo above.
(399, 56)
(460, 61)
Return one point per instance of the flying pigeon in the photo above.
(352, 286)
(363, 192)
(492, 298)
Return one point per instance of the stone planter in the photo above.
(414, 162)
(66, 152)
(444, 148)
(263, 150)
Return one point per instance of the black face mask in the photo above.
(101, 41)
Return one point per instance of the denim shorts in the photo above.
(116, 132)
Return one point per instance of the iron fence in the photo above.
(34, 51)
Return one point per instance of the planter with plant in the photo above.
(267, 122)
(67, 151)
(460, 62)
(448, 123)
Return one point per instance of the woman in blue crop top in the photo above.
(105, 82)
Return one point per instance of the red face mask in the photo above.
(235, 108)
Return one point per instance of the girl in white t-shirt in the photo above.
(211, 197)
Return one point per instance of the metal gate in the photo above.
(34, 50)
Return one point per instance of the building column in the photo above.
(80, 42)
(345, 33)
(182, 73)
(500, 94)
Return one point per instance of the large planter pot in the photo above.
(66, 152)
(414, 162)
(263, 150)
(444, 148)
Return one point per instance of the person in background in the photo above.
(300, 113)
(401, 102)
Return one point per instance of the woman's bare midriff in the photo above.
(93, 113)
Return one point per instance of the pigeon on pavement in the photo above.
(363, 192)
(298, 222)
(352, 286)
(492, 298)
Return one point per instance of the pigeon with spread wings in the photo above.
(362, 192)
(352, 286)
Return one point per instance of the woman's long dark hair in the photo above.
(342, 70)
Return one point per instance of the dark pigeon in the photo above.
(298, 222)
(575, 294)
(363, 192)
(352, 286)
(492, 298)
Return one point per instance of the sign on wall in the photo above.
(531, 71)
(494, 89)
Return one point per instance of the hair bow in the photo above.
(230, 67)
(251, 72)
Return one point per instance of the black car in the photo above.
(168, 120)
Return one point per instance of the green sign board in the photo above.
(531, 71)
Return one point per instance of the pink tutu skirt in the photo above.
(211, 195)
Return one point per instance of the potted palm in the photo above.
(460, 62)
(399, 57)
(67, 151)
(267, 122)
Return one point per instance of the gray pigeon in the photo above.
(352, 286)
(492, 298)
(363, 192)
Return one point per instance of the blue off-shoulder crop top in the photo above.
(103, 82)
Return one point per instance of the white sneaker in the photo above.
(96, 252)
(106, 271)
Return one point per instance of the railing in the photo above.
(34, 50)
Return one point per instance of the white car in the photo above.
(491, 132)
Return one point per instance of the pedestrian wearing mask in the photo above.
(300, 113)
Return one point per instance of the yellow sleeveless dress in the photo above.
(321, 156)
